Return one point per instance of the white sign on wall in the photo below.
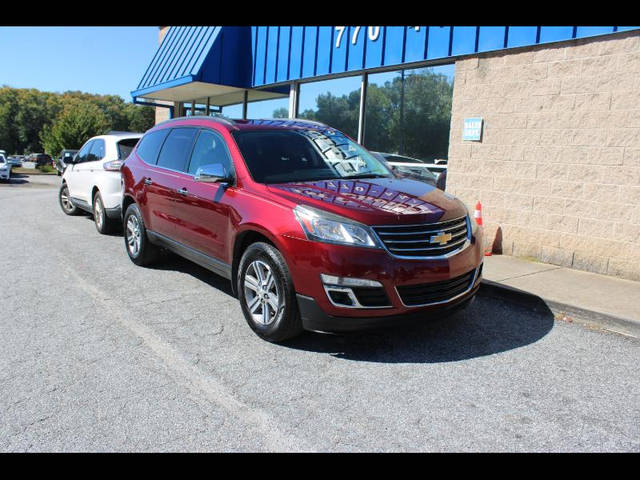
(472, 129)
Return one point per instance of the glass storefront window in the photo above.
(334, 102)
(408, 112)
(273, 108)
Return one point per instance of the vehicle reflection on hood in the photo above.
(372, 195)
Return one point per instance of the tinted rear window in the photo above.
(150, 144)
(177, 149)
(126, 146)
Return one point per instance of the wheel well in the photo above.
(126, 201)
(93, 194)
(243, 240)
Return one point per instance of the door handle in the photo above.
(182, 191)
(148, 181)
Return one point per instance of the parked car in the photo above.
(431, 173)
(5, 168)
(39, 159)
(91, 181)
(66, 156)
(14, 161)
(312, 230)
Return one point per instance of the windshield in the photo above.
(1, 158)
(280, 156)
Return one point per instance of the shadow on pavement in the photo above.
(16, 179)
(175, 263)
(487, 326)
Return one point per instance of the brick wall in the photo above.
(558, 167)
(162, 114)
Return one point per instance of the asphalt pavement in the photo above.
(97, 354)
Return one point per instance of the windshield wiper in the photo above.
(366, 175)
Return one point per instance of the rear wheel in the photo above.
(266, 294)
(65, 201)
(140, 250)
(103, 223)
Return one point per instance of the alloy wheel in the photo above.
(64, 199)
(261, 292)
(134, 235)
(98, 212)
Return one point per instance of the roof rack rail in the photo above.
(218, 118)
(304, 120)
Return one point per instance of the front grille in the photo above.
(416, 240)
(423, 294)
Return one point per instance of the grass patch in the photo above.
(46, 170)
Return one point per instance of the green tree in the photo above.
(281, 113)
(28, 116)
(76, 124)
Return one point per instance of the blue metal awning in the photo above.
(194, 63)
(179, 59)
(221, 63)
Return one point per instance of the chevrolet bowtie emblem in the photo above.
(442, 238)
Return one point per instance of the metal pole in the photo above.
(363, 108)
(208, 106)
(294, 99)
(401, 152)
(245, 99)
(193, 108)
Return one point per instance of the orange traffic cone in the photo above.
(477, 214)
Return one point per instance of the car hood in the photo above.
(375, 201)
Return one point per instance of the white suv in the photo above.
(5, 168)
(91, 182)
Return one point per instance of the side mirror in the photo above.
(213, 173)
(441, 181)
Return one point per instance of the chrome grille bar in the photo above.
(415, 241)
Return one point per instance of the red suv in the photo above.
(313, 231)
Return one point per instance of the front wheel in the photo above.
(65, 201)
(266, 294)
(140, 250)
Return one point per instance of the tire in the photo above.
(140, 250)
(269, 307)
(104, 224)
(65, 201)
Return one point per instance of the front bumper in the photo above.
(400, 278)
(315, 319)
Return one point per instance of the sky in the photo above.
(112, 60)
(101, 60)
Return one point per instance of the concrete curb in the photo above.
(626, 326)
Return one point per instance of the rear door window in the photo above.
(150, 145)
(177, 149)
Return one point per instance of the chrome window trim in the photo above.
(471, 285)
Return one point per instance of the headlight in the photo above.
(472, 222)
(325, 227)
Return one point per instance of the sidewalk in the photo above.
(608, 301)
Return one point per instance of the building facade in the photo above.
(541, 126)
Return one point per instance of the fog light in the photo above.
(354, 292)
(348, 281)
